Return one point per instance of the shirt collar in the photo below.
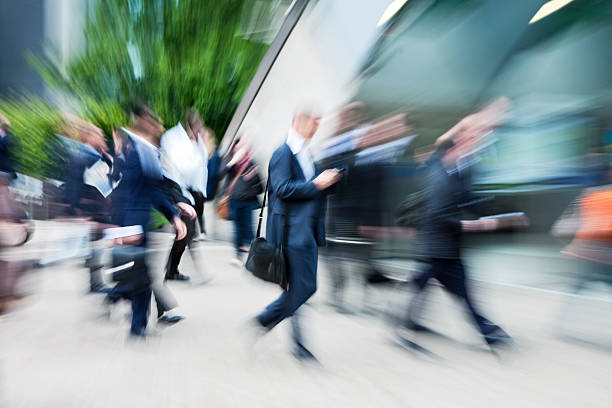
(295, 141)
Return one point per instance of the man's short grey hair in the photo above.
(306, 110)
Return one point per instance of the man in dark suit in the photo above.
(447, 188)
(296, 213)
(140, 189)
(84, 200)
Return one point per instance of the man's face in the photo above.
(307, 125)
(150, 125)
(463, 147)
(95, 138)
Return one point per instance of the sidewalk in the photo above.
(57, 351)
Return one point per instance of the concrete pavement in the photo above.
(57, 350)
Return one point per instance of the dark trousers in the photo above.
(164, 299)
(242, 216)
(451, 274)
(199, 208)
(178, 247)
(134, 286)
(302, 262)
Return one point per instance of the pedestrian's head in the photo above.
(94, 136)
(306, 123)
(350, 116)
(4, 123)
(475, 129)
(194, 124)
(147, 122)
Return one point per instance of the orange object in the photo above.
(596, 216)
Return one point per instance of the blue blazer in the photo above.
(290, 193)
(138, 192)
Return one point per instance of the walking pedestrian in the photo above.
(296, 215)
(441, 227)
(137, 162)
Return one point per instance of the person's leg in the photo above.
(178, 248)
(302, 270)
(453, 277)
(417, 303)
(199, 208)
(244, 220)
(141, 303)
(235, 213)
(249, 233)
(202, 222)
(174, 258)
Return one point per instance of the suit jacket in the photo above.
(440, 230)
(290, 193)
(83, 199)
(6, 157)
(138, 192)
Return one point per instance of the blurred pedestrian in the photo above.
(141, 187)
(296, 220)
(87, 187)
(589, 222)
(214, 166)
(6, 146)
(243, 186)
(204, 144)
(14, 231)
(185, 165)
(440, 228)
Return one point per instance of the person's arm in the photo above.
(73, 185)
(175, 194)
(162, 203)
(161, 200)
(283, 185)
(440, 210)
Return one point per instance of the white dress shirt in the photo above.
(299, 147)
(184, 161)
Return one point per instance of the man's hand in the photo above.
(180, 227)
(130, 240)
(187, 210)
(488, 224)
(117, 141)
(327, 179)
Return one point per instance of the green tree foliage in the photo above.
(170, 54)
(34, 122)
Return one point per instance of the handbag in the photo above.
(267, 261)
(223, 206)
(135, 273)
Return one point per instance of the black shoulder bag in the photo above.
(267, 261)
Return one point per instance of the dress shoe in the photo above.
(98, 288)
(140, 334)
(303, 354)
(178, 277)
(167, 318)
(418, 328)
(498, 337)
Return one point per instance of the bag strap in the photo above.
(263, 205)
(230, 188)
